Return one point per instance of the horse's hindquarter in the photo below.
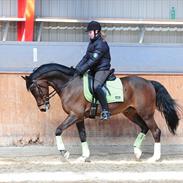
(139, 92)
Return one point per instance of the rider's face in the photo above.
(91, 34)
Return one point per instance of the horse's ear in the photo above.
(25, 77)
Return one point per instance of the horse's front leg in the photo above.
(82, 134)
(71, 119)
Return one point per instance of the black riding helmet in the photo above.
(93, 25)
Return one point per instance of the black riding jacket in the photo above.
(97, 57)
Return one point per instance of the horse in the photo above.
(141, 98)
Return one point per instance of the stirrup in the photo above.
(105, 115)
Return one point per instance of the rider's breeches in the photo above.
(99, 80)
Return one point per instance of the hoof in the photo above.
(65, 154)
(153, 159)
(137, 153)
(83, 159)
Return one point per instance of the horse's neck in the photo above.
(58, 83)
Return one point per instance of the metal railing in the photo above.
(110, 24)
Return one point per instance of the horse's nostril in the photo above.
(43, 110)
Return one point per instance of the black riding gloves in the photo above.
(82, 69)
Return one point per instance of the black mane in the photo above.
(46, 68)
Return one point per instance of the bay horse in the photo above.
(141, 98)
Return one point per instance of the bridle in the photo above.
(50, 95)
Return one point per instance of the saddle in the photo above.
(110, 77)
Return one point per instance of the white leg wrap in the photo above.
(137, 152)
(85, 149)
(60, 144)
(157, 153)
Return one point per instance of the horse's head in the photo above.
(40, 91)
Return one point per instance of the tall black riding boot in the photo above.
(105, 114)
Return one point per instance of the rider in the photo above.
(97, 60)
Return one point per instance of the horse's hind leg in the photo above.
(131, 114)
(82, 134)
(156, 133)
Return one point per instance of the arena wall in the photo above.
(22, 123)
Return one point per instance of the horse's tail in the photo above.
(167, 106)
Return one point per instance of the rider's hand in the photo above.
(77, 73)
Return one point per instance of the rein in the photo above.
(53, 93)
